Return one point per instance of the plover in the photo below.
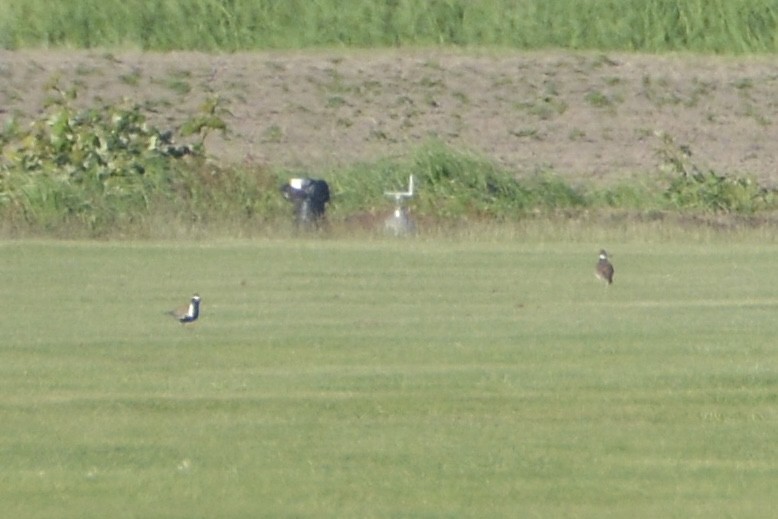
(604, 269)
(187, 313)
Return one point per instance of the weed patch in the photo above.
(691, 187)
(105, 171)
(106, 168)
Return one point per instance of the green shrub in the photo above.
(691, 187)
(96, 165)
(709, 191)
(101, 166)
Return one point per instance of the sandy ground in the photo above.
(586, 116)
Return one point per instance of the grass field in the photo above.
(421, 378)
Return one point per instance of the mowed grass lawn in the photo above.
(383, 378)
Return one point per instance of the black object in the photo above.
(310, 197)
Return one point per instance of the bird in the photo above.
(187, 313)
(604, 269)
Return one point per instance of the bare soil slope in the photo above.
(586, 116)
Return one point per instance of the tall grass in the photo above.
(454, 184)
(720, 26)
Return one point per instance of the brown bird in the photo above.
(187, 313)
(604, 269)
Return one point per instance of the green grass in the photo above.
(105, 173)
(488, 377)
(719, 26)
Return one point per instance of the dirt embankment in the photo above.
(591, 117)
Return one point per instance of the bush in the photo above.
(691, 187)
(103, 167)
(96, 166)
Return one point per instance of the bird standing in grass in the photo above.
(187, 313)
(604, 269)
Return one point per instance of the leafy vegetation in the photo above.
(691, 187)
(104, 171)
(103, 167)
(720, 26)
(91, 164)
